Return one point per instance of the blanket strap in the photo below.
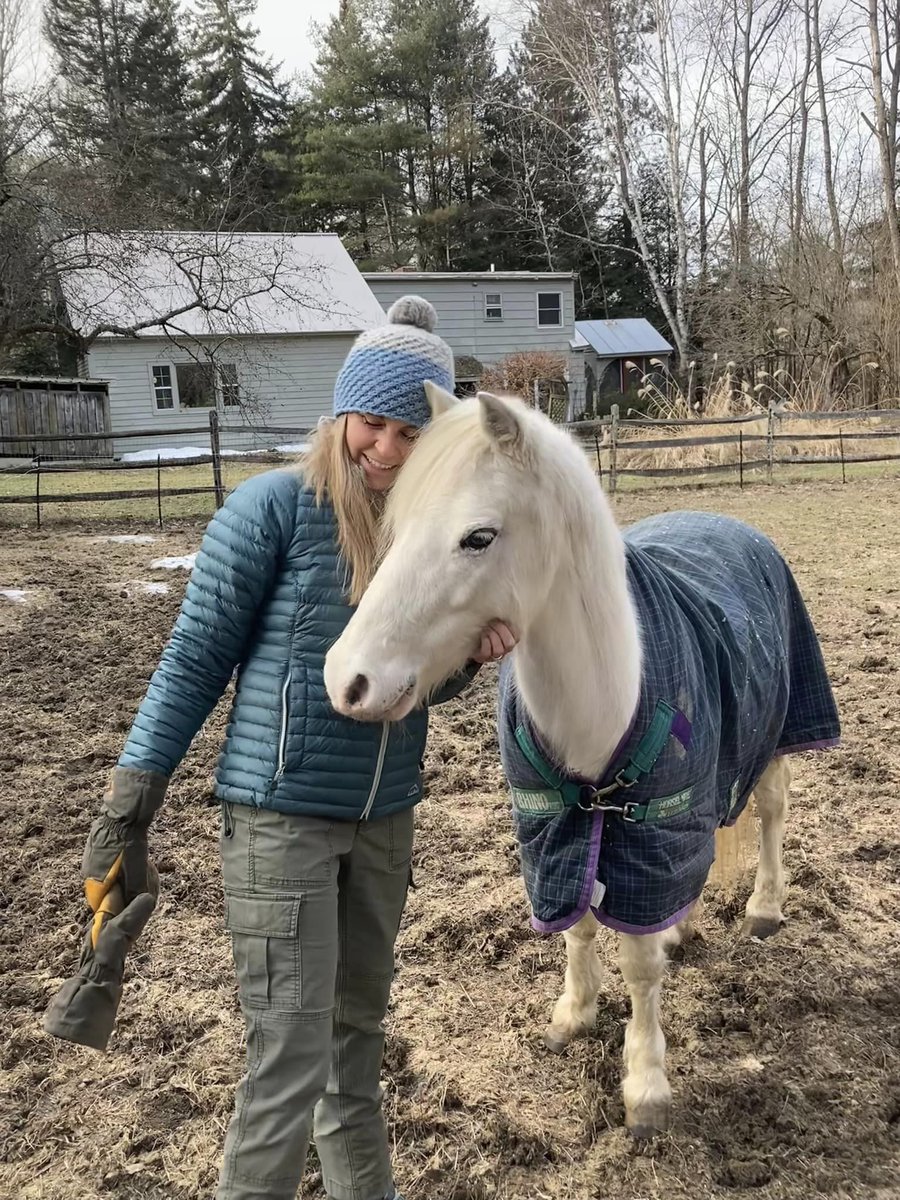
(641, 762)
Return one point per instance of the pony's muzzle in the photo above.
(368, 695)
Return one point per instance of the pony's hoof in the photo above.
(761, 927)
(649, 1120)
(555, 1045)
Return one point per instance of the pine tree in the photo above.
(347, 152)
(439, 72)
(548, 186)
(241, 107)
(122, 112)
(160, 92)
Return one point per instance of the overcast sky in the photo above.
(286, 28)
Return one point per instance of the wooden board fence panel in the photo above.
(54, 422)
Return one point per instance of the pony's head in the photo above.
(471, 534)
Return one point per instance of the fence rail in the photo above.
(608, 436)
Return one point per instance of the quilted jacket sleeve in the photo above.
(233, 573)
(455, 684)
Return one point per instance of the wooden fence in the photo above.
(608, 438)
(67, 418)
(755, 450)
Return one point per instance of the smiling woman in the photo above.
(379, 445)
(317, 809)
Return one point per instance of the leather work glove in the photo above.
(84, 1010)
(121, 887)
(116, 849)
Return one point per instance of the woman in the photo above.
(317, 811)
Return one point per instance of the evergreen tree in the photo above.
(347, 143)
(122, 112)
(548, 186)
(439, 72)
(241, 106)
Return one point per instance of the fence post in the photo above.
(843, 460)
(741, 453)
(599, 460)
(613, 441)
(159, 489)
(770, 442)
(37, 487)
(536, 395)
(216, 457)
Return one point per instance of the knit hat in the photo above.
(386, 370)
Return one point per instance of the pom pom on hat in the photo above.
(415, 311)
(385, 372)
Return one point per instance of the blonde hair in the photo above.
(328, 468)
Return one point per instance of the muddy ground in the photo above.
(784, 1056)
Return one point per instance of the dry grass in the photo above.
(725, 398)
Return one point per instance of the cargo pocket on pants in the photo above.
(266, 946)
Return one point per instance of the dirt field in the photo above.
(784, 1056)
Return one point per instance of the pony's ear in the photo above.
(439, 400)
(501, 421)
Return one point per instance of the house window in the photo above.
(196, 385)
(181, 386)
(229, 389)
(493, 306)
(549, 309)
(163, 395)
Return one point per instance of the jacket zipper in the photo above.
(379, 767)
(282, 737)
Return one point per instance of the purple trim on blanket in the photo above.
(624, 927)
(824, 744)
(681, 728)
(587, 885)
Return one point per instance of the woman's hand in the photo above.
(496, 642)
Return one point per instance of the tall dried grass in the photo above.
(664, 398)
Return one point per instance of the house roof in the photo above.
(210, 284)
(470, 276)
(617, 339)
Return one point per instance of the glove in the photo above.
(84, 1010)
(121, 887)
(116, 849)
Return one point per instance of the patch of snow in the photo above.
(184, 562)
(173, 453)
(154, 589)
(132, 539)
(16, 595)
(166, 453)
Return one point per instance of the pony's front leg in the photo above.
(576, 1009)
(648, 1097)
(764, 916)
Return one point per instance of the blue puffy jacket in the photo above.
(266, 597)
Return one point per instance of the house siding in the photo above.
(460, 305)
(284, 381)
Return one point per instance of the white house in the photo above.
(486, 315)
(254, 325)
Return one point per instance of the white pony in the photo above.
(497, 514)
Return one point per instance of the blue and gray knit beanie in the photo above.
(386, 370)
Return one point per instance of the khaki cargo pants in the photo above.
(313, 907)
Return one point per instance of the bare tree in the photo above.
(646, 95)
(884, 65)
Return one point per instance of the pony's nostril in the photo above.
(357, 690)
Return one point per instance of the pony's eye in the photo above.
(478, 539)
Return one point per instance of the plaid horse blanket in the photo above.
(732, 676)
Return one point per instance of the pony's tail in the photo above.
(735, 849)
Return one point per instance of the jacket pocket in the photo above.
(266, 945)
(292, 721)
